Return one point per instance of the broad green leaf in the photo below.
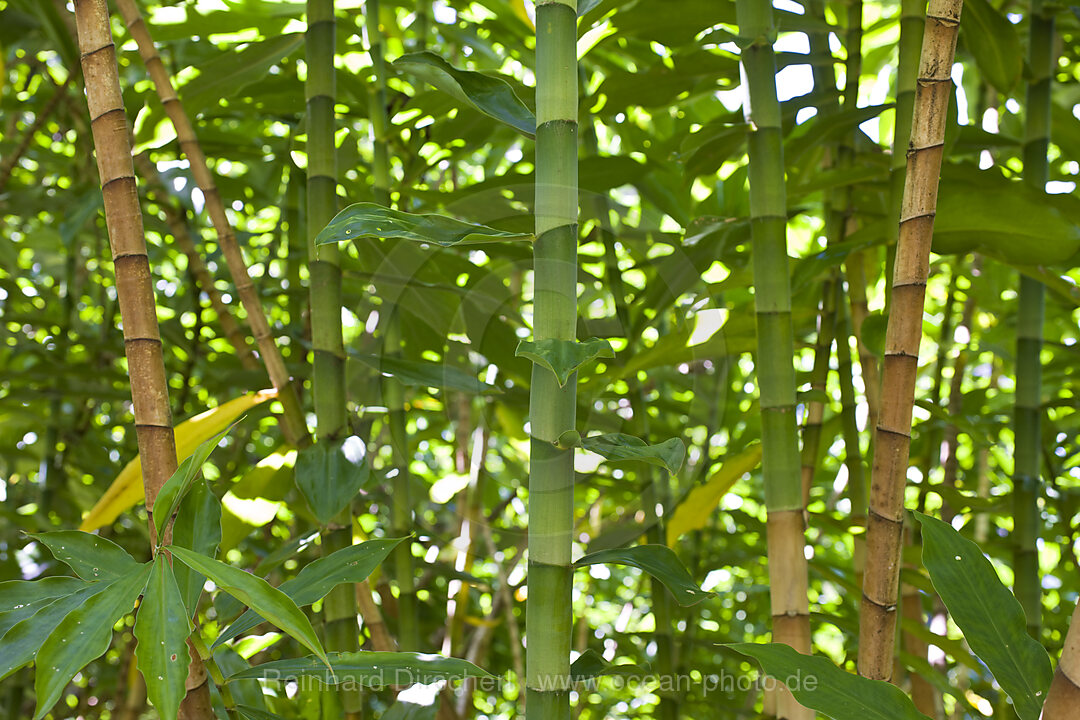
(694, 511)
(994, 43)
(818, 684)
(177, 486)
(401, 710)
(564, 357)
(618, 447)
(657, 560)
(22, 640)
(197, 528)
(20, 599)
(329, 478)
(987, 613)
(127, 489)
(370, 220)
(348, 565)
(1006, 219)
(427, 374)
(161, 628)
(90, 556)
(232, 70)
(490, 95)
(83, 635)
(368, 669)
(257, 594)
(591, 664)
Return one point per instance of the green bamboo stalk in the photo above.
(408, 635)
(1027, 483)
(328, 350)
(552, 409)
(776, 347)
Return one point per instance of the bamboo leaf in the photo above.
(20, 599)
(161, 628)
(257, 594)
(617, 447)
(229, 72)
(989, 616)
(694, 511)
(127, 489)
(22, 640)
(657, 560)
(564, 357)
(90, 556)
(329, 478)
(367, 669)
(994, 43)
(591, 664)
(427, 374)
(177, 486)
(490, 95)
(197, 528)
(818, 684)
(364, 219)
(401, 710)
(83, 635)
(348, 565)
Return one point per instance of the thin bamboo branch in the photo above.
(174, 217)
(134, 284)
(295, 427)
(892, 443)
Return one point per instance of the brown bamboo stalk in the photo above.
(295, 426)
(877, 627)
(134, 286)
(1063, 698)
(174, 217)
(381, 639)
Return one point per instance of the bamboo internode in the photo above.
(893, 435)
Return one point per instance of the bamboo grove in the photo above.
(555, 359)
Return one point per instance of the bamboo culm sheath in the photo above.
(892, 439)
(552, 409)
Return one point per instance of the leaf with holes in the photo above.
(161, 628)
(657, 560)
(83, 635)
(990, 617)
(90, 556)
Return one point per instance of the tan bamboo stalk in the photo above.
(877, 626)
(174, 217)
(1063, 698)
(295, 426)
(134, 285)
(381, 639)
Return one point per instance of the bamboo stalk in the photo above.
(1027, 426)
(174, 217)
(774, 366)
(328, 350)
(877, 627)
(134, 285)
(295, 427)
(552, 409)
(1063, 697)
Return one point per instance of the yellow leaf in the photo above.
(693, 512)
(521, 12)
(126, 490)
